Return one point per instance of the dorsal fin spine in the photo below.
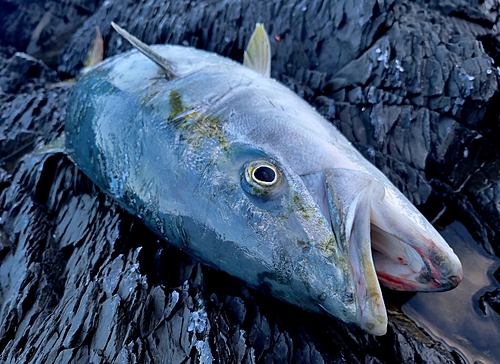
(161, 61)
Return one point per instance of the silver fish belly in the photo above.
(235, 169)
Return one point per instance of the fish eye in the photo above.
(265, 175)
(261, 177)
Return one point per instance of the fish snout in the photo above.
(442, 266)
(410, 255)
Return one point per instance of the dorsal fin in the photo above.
(96, 50)
(161, 61)
(258, 53)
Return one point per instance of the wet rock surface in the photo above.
(42, 27)
(410, 84)
(492, 299)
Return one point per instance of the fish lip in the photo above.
(451, 282)
(440, 281)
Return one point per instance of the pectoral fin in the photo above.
(57, 146)
(258, 52)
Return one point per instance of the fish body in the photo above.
(237, 170)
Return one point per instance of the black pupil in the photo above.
(264, 174)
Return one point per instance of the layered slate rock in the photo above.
(412, 85)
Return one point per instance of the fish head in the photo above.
(370, 233)
(330, 238)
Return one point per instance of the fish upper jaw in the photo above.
(409, 254)
(384, 238)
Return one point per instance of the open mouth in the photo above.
(386, 239)
(398, 265)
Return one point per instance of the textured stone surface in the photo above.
(411, 84)
(42, 27)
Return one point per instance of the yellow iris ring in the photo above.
(250, 177)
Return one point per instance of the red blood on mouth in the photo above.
(393, 282)
(434, 271)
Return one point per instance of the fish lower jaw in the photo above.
(371, 314)
(376, 326)
(400, 276)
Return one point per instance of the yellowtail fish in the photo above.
(235, 169)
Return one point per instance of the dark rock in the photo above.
(492, 299)
(22, 72)
(40, 28)
(27, 119)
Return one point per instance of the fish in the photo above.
(235, 169)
